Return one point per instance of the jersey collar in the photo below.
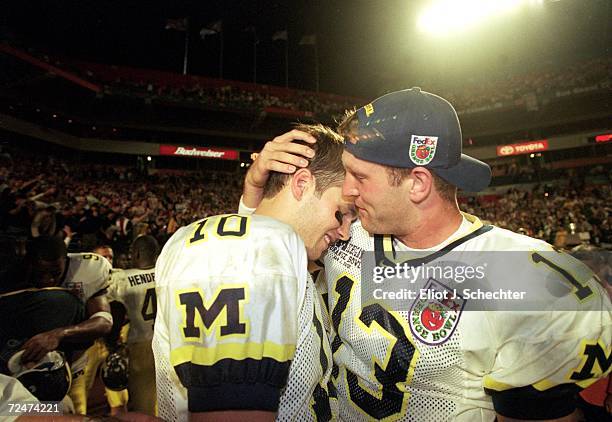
(386, 255)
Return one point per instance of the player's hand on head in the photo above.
(280, 154)
(38, 346)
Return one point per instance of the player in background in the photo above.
(105, 251)
(98, 352)
(134, 288)
(86, 275)
(404, 165)
(122, 261)
(238, 318)
(595, 402)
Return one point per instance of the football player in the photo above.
(429, 360)
(595, 402)
(238, 318)
(98, 352)
(135, 289)
(86, 275)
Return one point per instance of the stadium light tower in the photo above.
(444, 17)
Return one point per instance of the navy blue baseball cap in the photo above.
(413, 128)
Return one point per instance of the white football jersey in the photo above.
(415, 364)
(87, 274)
(239, 323)
(135, 289)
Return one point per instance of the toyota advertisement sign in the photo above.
(529, 147)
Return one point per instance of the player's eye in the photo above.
(339, 216)
(358, 175)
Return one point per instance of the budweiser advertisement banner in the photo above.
(199, 152)
(522, 148)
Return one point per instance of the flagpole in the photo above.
(316, 54)
(287, 62)
(221, 55)
(186, 48)
(254, 57)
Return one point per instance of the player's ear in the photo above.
(420, 183)
(301, 181)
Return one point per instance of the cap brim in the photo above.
(470, 175)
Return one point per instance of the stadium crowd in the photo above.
(562, 216)
(524, 90)
(95, 204)
(99, 204)
(229, 97)
(476, 95)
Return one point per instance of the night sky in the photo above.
(365, 47)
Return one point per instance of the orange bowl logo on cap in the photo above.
(422, 149)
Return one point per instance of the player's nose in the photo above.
(344, 229)
(349, 187)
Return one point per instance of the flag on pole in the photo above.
(212, 29)
(309, 40)
(182, 25)
(177, 24)
(280, 35)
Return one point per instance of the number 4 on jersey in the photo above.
(149, 305)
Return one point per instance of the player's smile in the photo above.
(327, 239)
